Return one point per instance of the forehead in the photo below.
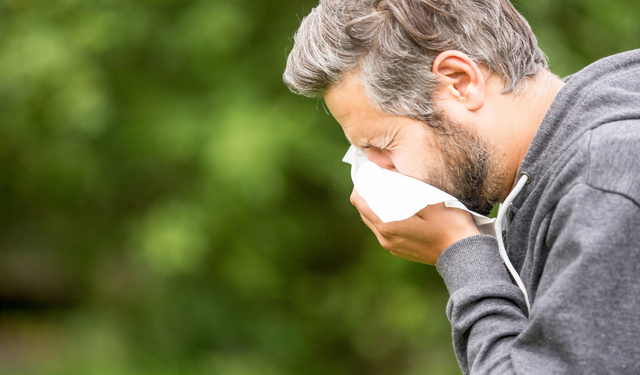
(347, 98)
(350, 106)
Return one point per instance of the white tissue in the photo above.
(395, 197)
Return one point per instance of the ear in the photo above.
(460, 79)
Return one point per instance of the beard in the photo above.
(471, 173)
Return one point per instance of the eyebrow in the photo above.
(365, 146)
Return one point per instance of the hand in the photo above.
(422, 237)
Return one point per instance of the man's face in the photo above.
(451, 157)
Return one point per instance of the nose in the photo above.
(380, 157)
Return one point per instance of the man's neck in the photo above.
(524, 113)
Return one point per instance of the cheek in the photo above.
(423, 164)
(417, 155)
(412, 165)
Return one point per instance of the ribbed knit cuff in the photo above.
(472, 261)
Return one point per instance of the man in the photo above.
(457, 93)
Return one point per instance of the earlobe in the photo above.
(460, 78)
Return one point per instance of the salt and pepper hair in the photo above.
(391, 46)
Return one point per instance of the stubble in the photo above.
(471, 172)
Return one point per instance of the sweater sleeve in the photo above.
(585, 316)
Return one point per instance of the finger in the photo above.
(371, 226)
(363, 207)
(384, 231)
(457, 218)
(364, 210)
(431, 209)
(405, 256)
(384, 241)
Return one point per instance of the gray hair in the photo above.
(392, 45)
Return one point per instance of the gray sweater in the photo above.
(573, 236)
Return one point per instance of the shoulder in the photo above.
(614, 158)
(605, 158)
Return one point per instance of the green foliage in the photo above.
(189, 214)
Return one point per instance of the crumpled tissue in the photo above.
(395, 197)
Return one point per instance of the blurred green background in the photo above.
(168, 207)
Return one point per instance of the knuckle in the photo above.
(395, 253)
(386, 244)
(352, 198)
(386, 232)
